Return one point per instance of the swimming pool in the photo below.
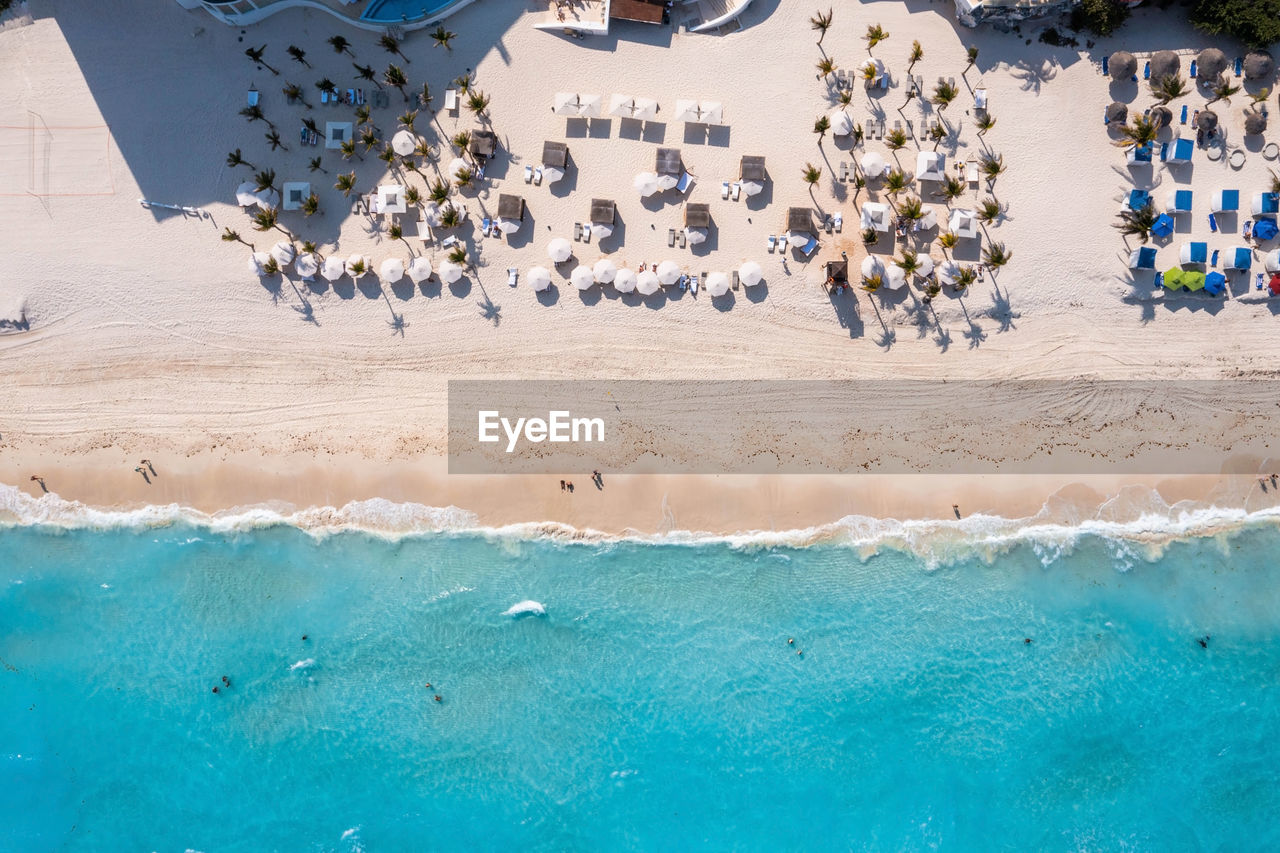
(399, 11)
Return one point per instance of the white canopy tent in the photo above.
(582, 277)
(258, 262)
(841, 124)
(404, 142)
(646, 109)
(589, 106)
(931, 166)
(306, 265)
(695, 235)
(687, 111)
(247, 194)
(333, 268)
(646, 183)
(450, 272)
(963, 223)
(392, 270)
(895, 278)
(622, 106)
(872, 164)
(565, 104)
(875, 215)
(284, 253)
(717, 284)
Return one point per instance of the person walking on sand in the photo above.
(562, 485)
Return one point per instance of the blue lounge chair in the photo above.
(1184, 113)
(1104, 64)
(1213, 223)
(1239, 66)
(685, 180)
(1159, 280)
(1193, 69)
(1213, 262)
(1146, 72)
(810, 246)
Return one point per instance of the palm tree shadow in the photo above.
(943, 338)
(1000, 310)
(305, 308)
(975, 333)
(888, 337)
(488, 309)
(397, 321)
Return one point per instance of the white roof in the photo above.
(930, 166)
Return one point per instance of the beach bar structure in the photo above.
(483, 143)
(640, 11)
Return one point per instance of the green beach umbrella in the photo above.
(1173, 278)
(1193, 279)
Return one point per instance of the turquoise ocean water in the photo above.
(656, 706)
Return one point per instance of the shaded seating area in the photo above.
(1179, 201)
(837, 274)
(555, 160)
(697, 222)
(510, 213)
(1223, 201)
(670, 170)
(603, 214)
(1143, 258)
(483, 144)
(802, 229)
(752, 174)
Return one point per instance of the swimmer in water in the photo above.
(1026, 640)
(226, 681)
(438, 699)
(215, 689)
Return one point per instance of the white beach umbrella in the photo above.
(559, 250)
(752, 187)
(508, 226)
(841, 124)
(895, 278)
(926, 265)
(750, 274)
(712, 112)
(605, 270)
(717, 284)
(333, 268)
(875, 215)
(646, 183)
(668, 272)
(687, 110)
(696, 235)
(392, 269)
(456, 165)
(798, 239)
(928, 218)
(404, 142)
(589, 106)
(419, 270)
(625, 280)
(667, 182)
(647, 283)
(582, 277)
(565, 104)
(1271, 263)
(257, 260)
(306, 265)
(284, 253)
(450, 272)
(268, 198)
(621, 106)
(646, 109)
(601, 230)
(551, 174)
(431, 214)
(871, 265)
(247, 194)
(360, 261)
(872, 164)
(947, 272)
(539, 278)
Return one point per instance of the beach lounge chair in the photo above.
(980, 98)
(528, 174)
(577, 231)
(1105, 65)
(512, 275)
(971, 172)
(844, 171)
(828, 224)
(1184, 113)
(1247, 231)
(360, 96)
(737, 190)
(671, 237)
(809, 247)
(1239, 66)
(1213, 223)
(1159, 280)
(1213, 261)
(770, 243)
(324, 96)
(683, 238)
(839, 222)
(252, 97)
(486, 225)
(351, 97)
(586, 232)
(735, 280)
(693, 284)
(537, 176)
(1193, 69)
(451, 101)
(911, 130)
(1146, 71)
(724, 189)
(449, 241)
(1257, 282)
(686, 181)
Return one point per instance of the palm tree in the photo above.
(943, 94)
(872, 283)
(310, 124)
(266, 218)
(989, 211)
(394, 76)
(821, 23)
(234, 159)
(424, 97)
(229, 236)
(908, 263)
(1169, 87)
(478, 102)
(821, 126)
(948, 239)
(1260, 96)
(310, 248)
(407, 119)
(859, 184)
(254, 113)
(274, 139)
(845, 97)
(973, 57)
(348, 149)
(937, 133)
(368, 137)
(395, 232)
(917, 54)
(340, 45)
(996, 255)
(462, 83)
(387, 155)
(362, 114)
(896, 139)
(1275, 181)
(458, 255)
(366, 72)
(255, 55)
(346, 183)
(424, 150)
(298, 54)
(311, 205)
(464, 176)
(391, 44)
(1137, 222)
(315, 166)
(265, 180)
(895, 182)
(952, 188)
(912, 209)
(294, 93)
(412, 198)
(271, 266)
(965, 276)
(812, 174)
(327, 85)
(357, 268)
(869, 72)
(992, 166)
(1223, 90)
(985, 122)
(442, 37)
(438, 191)
(1140, 131)
(449, 217)
(462, 141)
(826, 66)
(875, 35)
(869, 236)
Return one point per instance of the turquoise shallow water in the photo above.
(656, 706)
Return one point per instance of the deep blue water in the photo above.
(656, 706)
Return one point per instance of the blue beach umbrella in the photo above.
(1138, 199)
(1265, 229)
(1163, 226)
(1215, 283)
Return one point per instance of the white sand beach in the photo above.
(129, 333)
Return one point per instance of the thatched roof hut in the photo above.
(510, 207)
(800, 220)
(1122, 65)
(1164, 63)
(483, 143)
(1207, 120)
(1161, 117)
(1254, 123)
(668, 161)
(752, 169)
(1258, 65)
(1210, 64)
(1117, 111)
(555, 154)
(697, 215)
(603, 211)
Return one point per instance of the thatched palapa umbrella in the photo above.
(1210, 64)
(1122, 65)
(1258, 65)
(1117, 112)
(1161, 117)
(1164, 63)
(1254, 123)
(1207, 120)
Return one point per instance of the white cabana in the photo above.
(668, 272)
(872, 165)
(456, 165)
(559, 250)
(622, 106)
(450, 272)
(871, 265)
(1224, 200)
(247, 194)
(928, 218)
(284, 253)
(1272, 261)
(336, 133)
(295, 193)
(333, 268)
(895, 278)
(948, 271)
(696, 235)
(357, 265)
(646, 183)
(539, 278)
(306, 265)
(712, 112)
(931, 166)
(667, 182)
(589, 106)
(604, 270)
(717, 283)
(268, 198)
(647, 283)
(1237, 258)
(750, 274)
(508, 226)
(687, 111)
(625, 280)
(841, 124)
(565, 104)
(404, 142)
(752, 188)
(582, 277)
(646, 109)
(963, 223)
(875, 215)
(258, 262)
(419, 270)
(392, 269)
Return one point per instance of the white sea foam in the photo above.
(526, 608)
(1139, 519)
(303, 664)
